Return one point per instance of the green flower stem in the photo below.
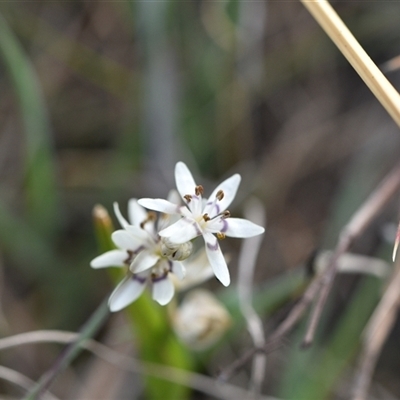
(70, 352)
(155, 339)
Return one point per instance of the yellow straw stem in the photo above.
(334, 27)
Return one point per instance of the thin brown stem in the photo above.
(325, 287)
(377, 331)
(322, 284)
(231, 370)
(357, 225)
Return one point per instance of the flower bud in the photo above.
(176, 252)
(201, 319)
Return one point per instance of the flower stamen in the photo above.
(220, 195)
(199, 190)
(206, 217)
(226, 214)
(187, 197)
(221, 235)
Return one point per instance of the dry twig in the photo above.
(334, 27)
(320, 287)
(376, 334)
(194, 380)
(254, 211)
(390, 99)
(357, 225)
(22, 381)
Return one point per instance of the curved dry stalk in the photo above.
(320, 287)
(196, 381)
(21, 380)
(70, 352)
(254, 212)
(376, 334)
(356, 226)
(387, 95)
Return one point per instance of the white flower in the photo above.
(198, 270)
(200, 217)
(151, 259)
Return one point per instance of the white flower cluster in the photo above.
(154, 248)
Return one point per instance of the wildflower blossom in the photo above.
(149, 258)
(200, 217)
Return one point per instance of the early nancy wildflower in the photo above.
(200, 217)
(150, 259)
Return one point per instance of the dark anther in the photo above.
(199, 190)
(129, 259)
(206, 217)
(220, 195)
(226, 214)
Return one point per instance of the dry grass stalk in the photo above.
(320, 287)
(355, 227)
(334, 27)
(376, 333)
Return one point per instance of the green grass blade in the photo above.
(41, 193)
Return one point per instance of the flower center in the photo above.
(212, 207)
(175, 252)
(158, 272)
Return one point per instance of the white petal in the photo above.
(241, 228)
(113, 258)
(216, 225)
(216, 259)
(181, 231)
(196, 206)
(178, 269)
(163, 290)
(126, 292)
(174, 197)
(125, 240)
(123, 222)
(160, 205)
(184, 179)
(229, 187)
(166, 220)
(144, 260)
(198, 270)
(139, 233)
(137, 214)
